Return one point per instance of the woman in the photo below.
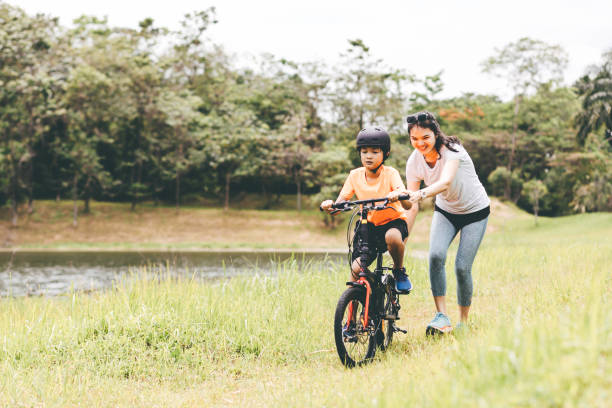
(461, 204)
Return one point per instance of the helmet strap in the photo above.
(379, 166)
(385, 155)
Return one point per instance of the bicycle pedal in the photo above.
(397, 329)
(391, 317)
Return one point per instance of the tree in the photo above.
(28, 76)
(595, 88)
(184, 146)
(330, 169)
(500, 177)
(427, 98)
(366, 92)
(593, 191)
(295, 120)
(232, 141)
(526, 64)
(143, 118)
(87, 115)
(535, 190)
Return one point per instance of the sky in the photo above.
(421, 38)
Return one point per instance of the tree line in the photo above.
(111, 113)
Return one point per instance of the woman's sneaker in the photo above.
(402, 283)
(439, 325)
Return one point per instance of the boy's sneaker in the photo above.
(439, 325)
(402, 283)
(349, 332)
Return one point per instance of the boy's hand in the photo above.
(326, 205)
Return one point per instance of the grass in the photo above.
(541, 335)
(114, 226)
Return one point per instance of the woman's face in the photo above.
(371, 157)
(422, 139)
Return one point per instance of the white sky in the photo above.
(421, 37)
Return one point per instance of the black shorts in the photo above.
(461, 220)
(376, 238)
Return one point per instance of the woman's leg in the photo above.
(441, 235)
(469, 242)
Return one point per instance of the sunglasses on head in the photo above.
(419, 117)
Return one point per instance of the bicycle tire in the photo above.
(351, 229)
(384, 334)
(363, 349)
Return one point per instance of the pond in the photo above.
(53, 273)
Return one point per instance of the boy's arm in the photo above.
(398, 189)
(347, 190)
(345, 194)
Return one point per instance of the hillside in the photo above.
(114, 226)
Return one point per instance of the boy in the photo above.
(374, 180)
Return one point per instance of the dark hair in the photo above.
(427, 120)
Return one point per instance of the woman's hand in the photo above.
(394, 195)
(415, 196)
(327, 205)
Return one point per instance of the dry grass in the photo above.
(114, 226)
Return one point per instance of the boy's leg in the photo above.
(395, 239)
(395, 246)
(356, 263)
(355, 269)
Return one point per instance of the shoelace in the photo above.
(400, 274)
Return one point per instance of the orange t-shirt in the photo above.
(388, 180)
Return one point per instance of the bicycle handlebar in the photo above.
(348, 205)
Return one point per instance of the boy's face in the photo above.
(371, 157)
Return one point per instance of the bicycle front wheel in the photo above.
(356, 344)
(384, 334)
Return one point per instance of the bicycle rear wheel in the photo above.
(356, 346)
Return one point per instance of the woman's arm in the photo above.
(446, 178)
(414, 210)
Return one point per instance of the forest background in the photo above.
(106, 113)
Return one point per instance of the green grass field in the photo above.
(541, 335)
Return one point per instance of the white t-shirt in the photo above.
(466, 193)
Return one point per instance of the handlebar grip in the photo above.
(337, 207)
(341, 205)
(404, 197)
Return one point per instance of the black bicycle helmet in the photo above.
(374, 137)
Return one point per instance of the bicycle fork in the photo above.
(366, 311)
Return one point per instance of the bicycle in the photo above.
(370, 304)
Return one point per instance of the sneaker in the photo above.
(402, 283)
(439, 325)
(349, 332)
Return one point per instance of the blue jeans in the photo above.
(442, 234)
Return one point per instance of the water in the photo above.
(54, 273)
